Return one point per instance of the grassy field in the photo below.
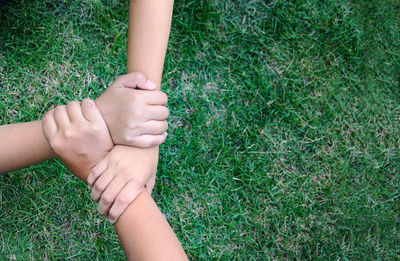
(284, 139)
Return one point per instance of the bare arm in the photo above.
(22, 145)
(79, 135)
(149, 27)
(144, 232)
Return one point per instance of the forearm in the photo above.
(146, 234)
(149, 27)
(143, 230)
(22, 145)
(148, 33)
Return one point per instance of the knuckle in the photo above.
(83, 129)
(138, 114)
(112, 214)
(132, 124)
(119, 165)
(93, 196)
(68, 133)
(145, 141)
(56, 145)
(152, 141)
(139, 76)
(165, 125)
(164, 97)
(136, 180)
(123, 198)
(89, 181)
(135, 141)
(133, 105)
(166, 112)
(107, 198)
(99, 186)
(128, 138)
(93, 128)
(101, 211)
(139, 97)
(135, 98)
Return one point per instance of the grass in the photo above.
(284, 128)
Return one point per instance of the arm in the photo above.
(148, 237)
(139, 120)
(79, 135)
(149, 27)
(146, 234)
(22, 145)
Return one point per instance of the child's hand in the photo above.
(134, 117)
(120, 177)
(78, 135)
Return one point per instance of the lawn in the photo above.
(284, 138)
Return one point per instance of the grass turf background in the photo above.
(284, 128)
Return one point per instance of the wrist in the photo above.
(50, 149)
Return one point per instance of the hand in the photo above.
(134, 117)
(120, 177)
(78, 135)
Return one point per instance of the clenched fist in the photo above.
(134, 112)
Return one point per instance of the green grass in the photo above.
(284, 129)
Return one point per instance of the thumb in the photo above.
(148, 85)
(135, 80)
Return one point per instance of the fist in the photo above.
(135, 113)
(78, 135)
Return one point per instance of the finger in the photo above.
(124, 198)
(96, 172)
(154, 128)
(49, 124)
(157, 112)
(147, 85)
(101, 184)
(132, 80)
(74, 111)
(61, 116)
(90, 111)
(109, 195)
(146, 141)
(156, 98)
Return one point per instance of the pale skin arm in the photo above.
(138, 121)
(144, 232)
(22, 145)
(141, 228)
(149, 27)
(78, 133)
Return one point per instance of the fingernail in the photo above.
(88, 101)
(89, 187)
(166, 134)
(150, 84)
(111, 221)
